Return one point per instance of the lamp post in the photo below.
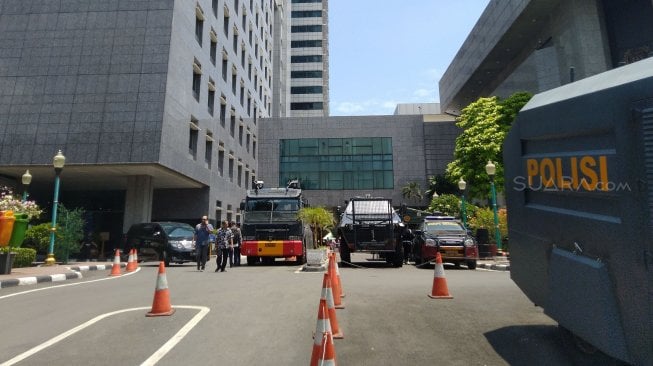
(26, 179)
(491, 169)
(58, 161)
(463, 211)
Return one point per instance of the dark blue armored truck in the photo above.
(579, 190)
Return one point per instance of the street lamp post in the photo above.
(58, 161)
(491, 169)
(26, 179)
(463, 211)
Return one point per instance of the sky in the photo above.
(384, 53)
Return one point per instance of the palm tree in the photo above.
(412, 190)
(319, 219)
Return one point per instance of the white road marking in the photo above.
(69, 284)
(152, 360)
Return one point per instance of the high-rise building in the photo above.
(309, 58)
(155, 104)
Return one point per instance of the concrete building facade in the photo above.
(155, 104)
(536, 45)
(337, 158)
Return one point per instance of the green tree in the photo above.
(319, 219)
(70, 232)
(440, 185)
(37, 237)
(412, 191)
(485, 124)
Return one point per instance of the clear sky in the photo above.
(382, 53)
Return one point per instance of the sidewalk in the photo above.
(497, 263)
(58, 272)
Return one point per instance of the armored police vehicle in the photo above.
(579, 190)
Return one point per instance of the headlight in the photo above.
(430, 243)
(468, 242)
(176, 244)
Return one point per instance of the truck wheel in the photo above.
(345, 254)
(251, 260)
(301, 259)
(398, 257)
(471, 264)
(584, 354)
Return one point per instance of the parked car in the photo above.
(170, 242)
(448, 236)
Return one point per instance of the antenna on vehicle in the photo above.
(258, 184)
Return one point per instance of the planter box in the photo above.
(316, 257)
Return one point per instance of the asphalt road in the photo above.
(265, 315)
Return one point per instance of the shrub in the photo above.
(24, 256)
(37, 237)
(483, 217)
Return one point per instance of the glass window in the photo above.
(306, 58)
(306, 13)
(306, 28)
(337, 163)
(306, 43)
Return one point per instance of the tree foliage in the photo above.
(440, 185)
(412, 191)
(70, 232)
(319, 219)
(485, 124)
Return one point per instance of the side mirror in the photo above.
(156, 234)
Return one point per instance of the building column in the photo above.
(138, 200)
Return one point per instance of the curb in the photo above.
(494, 267)
(13, 282)
(320, 268)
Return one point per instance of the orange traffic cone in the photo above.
(115, 270)
(161, 304)
(327, 294)
(339, 283)
(329, 353)
(131, 265)
(440, 289)
(135, 258)
(336, 291)
(321, 327)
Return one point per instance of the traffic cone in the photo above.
(327, 294)
(440, 289)
(336, 291)
(161, 304)
(321, 327)
(329, 353)
(339, 283)
(130, 262)
(135, 258)
(115, 270)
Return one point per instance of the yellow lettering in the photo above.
(574, 173)
(531, 169)
(547, 164)
(586, 167)
(603, 171)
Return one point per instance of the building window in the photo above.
(306, 43)
(305, 1)
(231, 166)
(232, 123)
(208, 151)
(246, 178)
(234, 81)
(193, 136)
(225, 22)
(306, 106)
(225, 68)
(242, 95)
(199, 24)
(254, 149)
(211, 98)
(306, 58)
(306, 74)
(306, 28)
(306, 13)
(221, 162)
(197, 79)
(240, 135)
(235, 42)
(247, 140)
(214, 49)
(214, 7)
(223, 111)
(306, 89)
(242, 56)
(338, 163)
(240, 174)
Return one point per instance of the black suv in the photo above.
(448, 236)
(162, 241)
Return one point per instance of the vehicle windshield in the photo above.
(178, 231)
(443, 227)
(269, 210)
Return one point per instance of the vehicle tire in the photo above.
(345, 254)
(398, 257)
(165, 258)
(471, 264)
(301, 259)
(267, 260)
(251, 260)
